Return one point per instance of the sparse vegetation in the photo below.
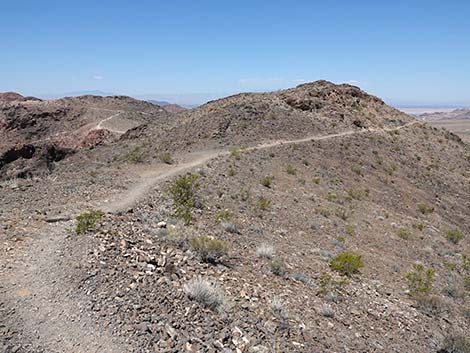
(327, 284)
(264, 203)
(347, 263)
(326, 311)
(236, 153)
(291, 170)
(166, 158)
(278, 267)
(357, 169)
(207, 294)
(349, 228)
(244, 194)
(425, 209)
(87, 221)
(279, 310)
(209, 249)
(420, 280)
(136, 155)
(316, 180)
(455, 343)
(454, 235)
(267, 181)
(404, 233)
(265, 250)
(183, 192)
(224, 215)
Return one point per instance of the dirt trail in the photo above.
(150, 178)
(38, 287)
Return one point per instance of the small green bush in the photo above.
(183, 191)
(454, 235)
(316, 180)
(166, 158)
(404, 233)
(347, 263)
(136, 155)
(455, 344)
(357, 169)
(291, 170)
(264, 203)
(209, 249)
(420, 280)
(425, 209)
(224, 215)
(236, 153)
(278, 267)
(87, 221)
(267, 181)
(328, 284)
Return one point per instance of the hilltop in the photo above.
(310, 219)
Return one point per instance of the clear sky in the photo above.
(407, 52)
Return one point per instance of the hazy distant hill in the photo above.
(463, 113)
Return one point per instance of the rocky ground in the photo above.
(284, 183)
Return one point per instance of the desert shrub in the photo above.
(326, 311)
(350, 229)
(421, 226)
(466, 262)
(391, 169)
(209, 249)
(205, 293)
(244, 194)
(430, 304)
(278, 267)
(341, 213)
(404, 233)
(265, 250)
(87, 221)
(316, 180)
(357, 194)
(291, 170)
(236, 153)
(136, 155)
(328, 284)
(420, 280)
(357, 169)
(230, 227)
(231, 172)
(183, 192)
(224, 215)
(425, 209)
(267, 181)
(466, 283)
(455, 344)
(332, 197)
(454, 235)
(279, 310)
(302, 277)
(347, 263)
(264, 203)
(166, 158)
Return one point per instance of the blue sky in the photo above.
(407, 52)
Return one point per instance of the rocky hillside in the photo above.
(314, 219)
(36, 134)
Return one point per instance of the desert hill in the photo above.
(36, 134)
(461, 113)
(313, 219)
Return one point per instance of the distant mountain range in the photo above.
(456, 114)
